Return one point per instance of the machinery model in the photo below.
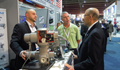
(49, 46)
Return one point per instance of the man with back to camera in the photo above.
(105, 28)
(91, 50)
(69, 31)
(18, 45)
(110, 30)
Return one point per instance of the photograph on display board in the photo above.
(1, 34)
(1, 45)
(2, 25)
(41, 20)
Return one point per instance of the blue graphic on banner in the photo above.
(49, 1)
(22, 19)
(1, 12)
(41, 19)
(44, 25)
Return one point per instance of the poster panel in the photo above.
(4, 61)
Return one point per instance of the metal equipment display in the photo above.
(49, 49)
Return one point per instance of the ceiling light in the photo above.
(62, 6)
(22, 5)
(105, 4)
(106, 0)
(82, 5)
(84, 1)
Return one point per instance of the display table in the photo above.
(57, 65)
(60, 64)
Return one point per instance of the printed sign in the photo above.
(41, 19)
(4, 61)
(44, 25)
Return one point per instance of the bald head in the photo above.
(29, 10)
(31, 15)
(91, 16)
(94, 12)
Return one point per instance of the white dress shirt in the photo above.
(33, 29)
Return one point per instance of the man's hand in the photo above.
(69, 67)
(74, 56)
(23, 54)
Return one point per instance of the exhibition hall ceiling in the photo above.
(79, 6)
(2, 1)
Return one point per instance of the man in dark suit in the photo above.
(18, 45)
(105, 28)
(91, 53)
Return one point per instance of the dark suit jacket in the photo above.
(84, 29)
(105, 29)
(91, 52)
(18, 44)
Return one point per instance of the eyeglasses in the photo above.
(86, 15)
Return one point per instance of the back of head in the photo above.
(110, 22)
(103, 20)
(58, 24)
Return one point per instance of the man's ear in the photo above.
(26, 15)
(91, 17)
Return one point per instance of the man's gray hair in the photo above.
(64, 13)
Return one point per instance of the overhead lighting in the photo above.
(62, 6)
(105, 4)
(84, 1)
(22, 5)
(82, 5)
(106, 0)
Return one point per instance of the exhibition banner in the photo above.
(4, 61)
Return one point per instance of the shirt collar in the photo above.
(65, 27)
(30, 24)
(92, 25)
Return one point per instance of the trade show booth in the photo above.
(13, 12)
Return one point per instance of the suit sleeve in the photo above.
(94, 53)
(82, 30)
(15, 40)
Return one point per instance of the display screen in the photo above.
(78, 19)
(29, 1)
(43, 37)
